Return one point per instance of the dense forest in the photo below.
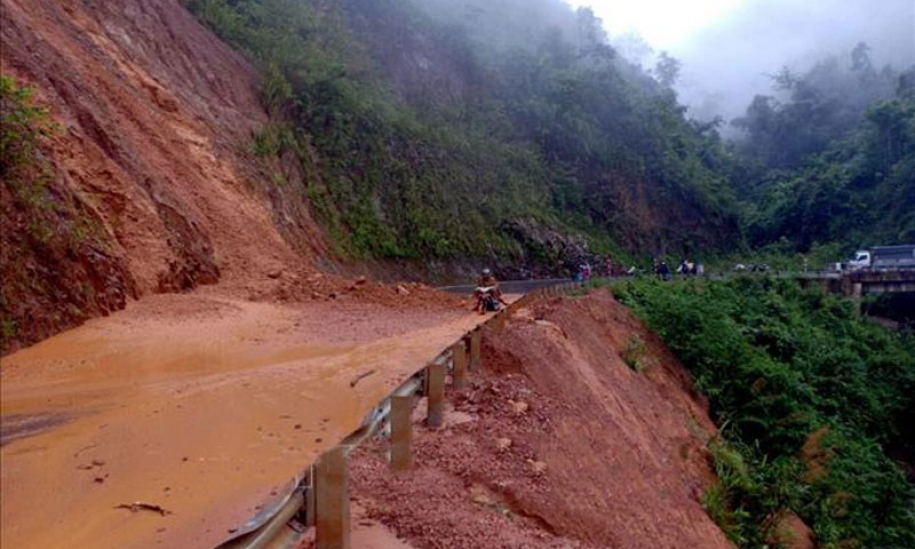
(830, 158)
(432, 133)
(515, 131)
(814, 404)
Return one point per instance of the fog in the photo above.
(728, 61)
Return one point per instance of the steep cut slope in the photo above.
(412, 122)
(559, 443)
(156, 114)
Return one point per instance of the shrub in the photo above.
(22, 125)
(780, 364)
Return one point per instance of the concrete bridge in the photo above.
(880, 282)
(857, 283)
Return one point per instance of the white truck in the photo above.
(883, 258)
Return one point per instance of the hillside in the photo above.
(425, 138)
(150, 157)
(247, 158)
(145, 184)
(558, 443)
(828, 157)
(815, 402)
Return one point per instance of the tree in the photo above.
(667, 70)
(860, 59)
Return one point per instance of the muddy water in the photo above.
(201, 414)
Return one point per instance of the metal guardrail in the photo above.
(509, 286)
(282, 523)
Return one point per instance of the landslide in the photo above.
(558, 442)
(200, 404)
(149, 185)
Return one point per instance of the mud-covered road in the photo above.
(200, 405)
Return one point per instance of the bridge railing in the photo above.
(319, 497)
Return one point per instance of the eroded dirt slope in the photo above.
(558, 444)
(156, 115)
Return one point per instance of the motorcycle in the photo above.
(487, 300)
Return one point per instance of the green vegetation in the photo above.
(25, 173)
(421, 136)
(22, 125)
(834, 162)
(23, 177)
(438, 129)
(812, 399)
(45, 231)
(634, 354)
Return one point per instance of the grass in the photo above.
(635, 353)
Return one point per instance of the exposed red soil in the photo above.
(157, 115)
(557, 443)
(283, 286)
(793, 533)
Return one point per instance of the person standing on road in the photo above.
(683, 269)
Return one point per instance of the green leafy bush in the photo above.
(813, 400)
(22, 125)
(24, 172)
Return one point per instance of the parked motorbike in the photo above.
(487, 301)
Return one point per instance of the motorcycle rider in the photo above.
(488, 280)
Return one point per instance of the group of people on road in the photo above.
(583, 274)
(687, 268)
(488, 291)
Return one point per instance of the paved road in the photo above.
(524, 286)
(510, 286)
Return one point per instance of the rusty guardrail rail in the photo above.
(319, 497)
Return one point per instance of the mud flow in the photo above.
(166, 425)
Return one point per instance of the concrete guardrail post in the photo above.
(401, 419)
(856, 293)
(459, 364)
(332, 515)
(435, 394)
(475, 342)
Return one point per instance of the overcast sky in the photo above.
(729, 46)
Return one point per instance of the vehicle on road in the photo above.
(752, 267)
(487, 299)
(882, 258)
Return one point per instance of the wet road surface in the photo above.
(201, 409)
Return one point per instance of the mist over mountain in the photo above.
(728, 63)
